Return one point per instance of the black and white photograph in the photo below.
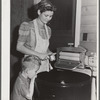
(49, 50)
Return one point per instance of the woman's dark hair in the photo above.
(45, 5)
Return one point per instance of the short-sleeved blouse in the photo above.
(26, 32)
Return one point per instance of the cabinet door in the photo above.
(63, 23)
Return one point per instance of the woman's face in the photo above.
(46, 16)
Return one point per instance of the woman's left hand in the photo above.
(52, 57)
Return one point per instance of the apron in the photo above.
(41, 47)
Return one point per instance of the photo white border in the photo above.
(5, 49)
(98, 50)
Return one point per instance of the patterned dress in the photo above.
(29, 34)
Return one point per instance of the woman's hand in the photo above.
(52, 57)
(49, 55)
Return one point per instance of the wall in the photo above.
(89, 24)
(19, 13)
(63, 24)
(88, 36)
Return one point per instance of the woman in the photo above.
(34, 36)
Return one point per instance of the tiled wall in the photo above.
(89, 24)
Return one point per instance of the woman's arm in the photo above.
(25, 37)
(21, 48)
